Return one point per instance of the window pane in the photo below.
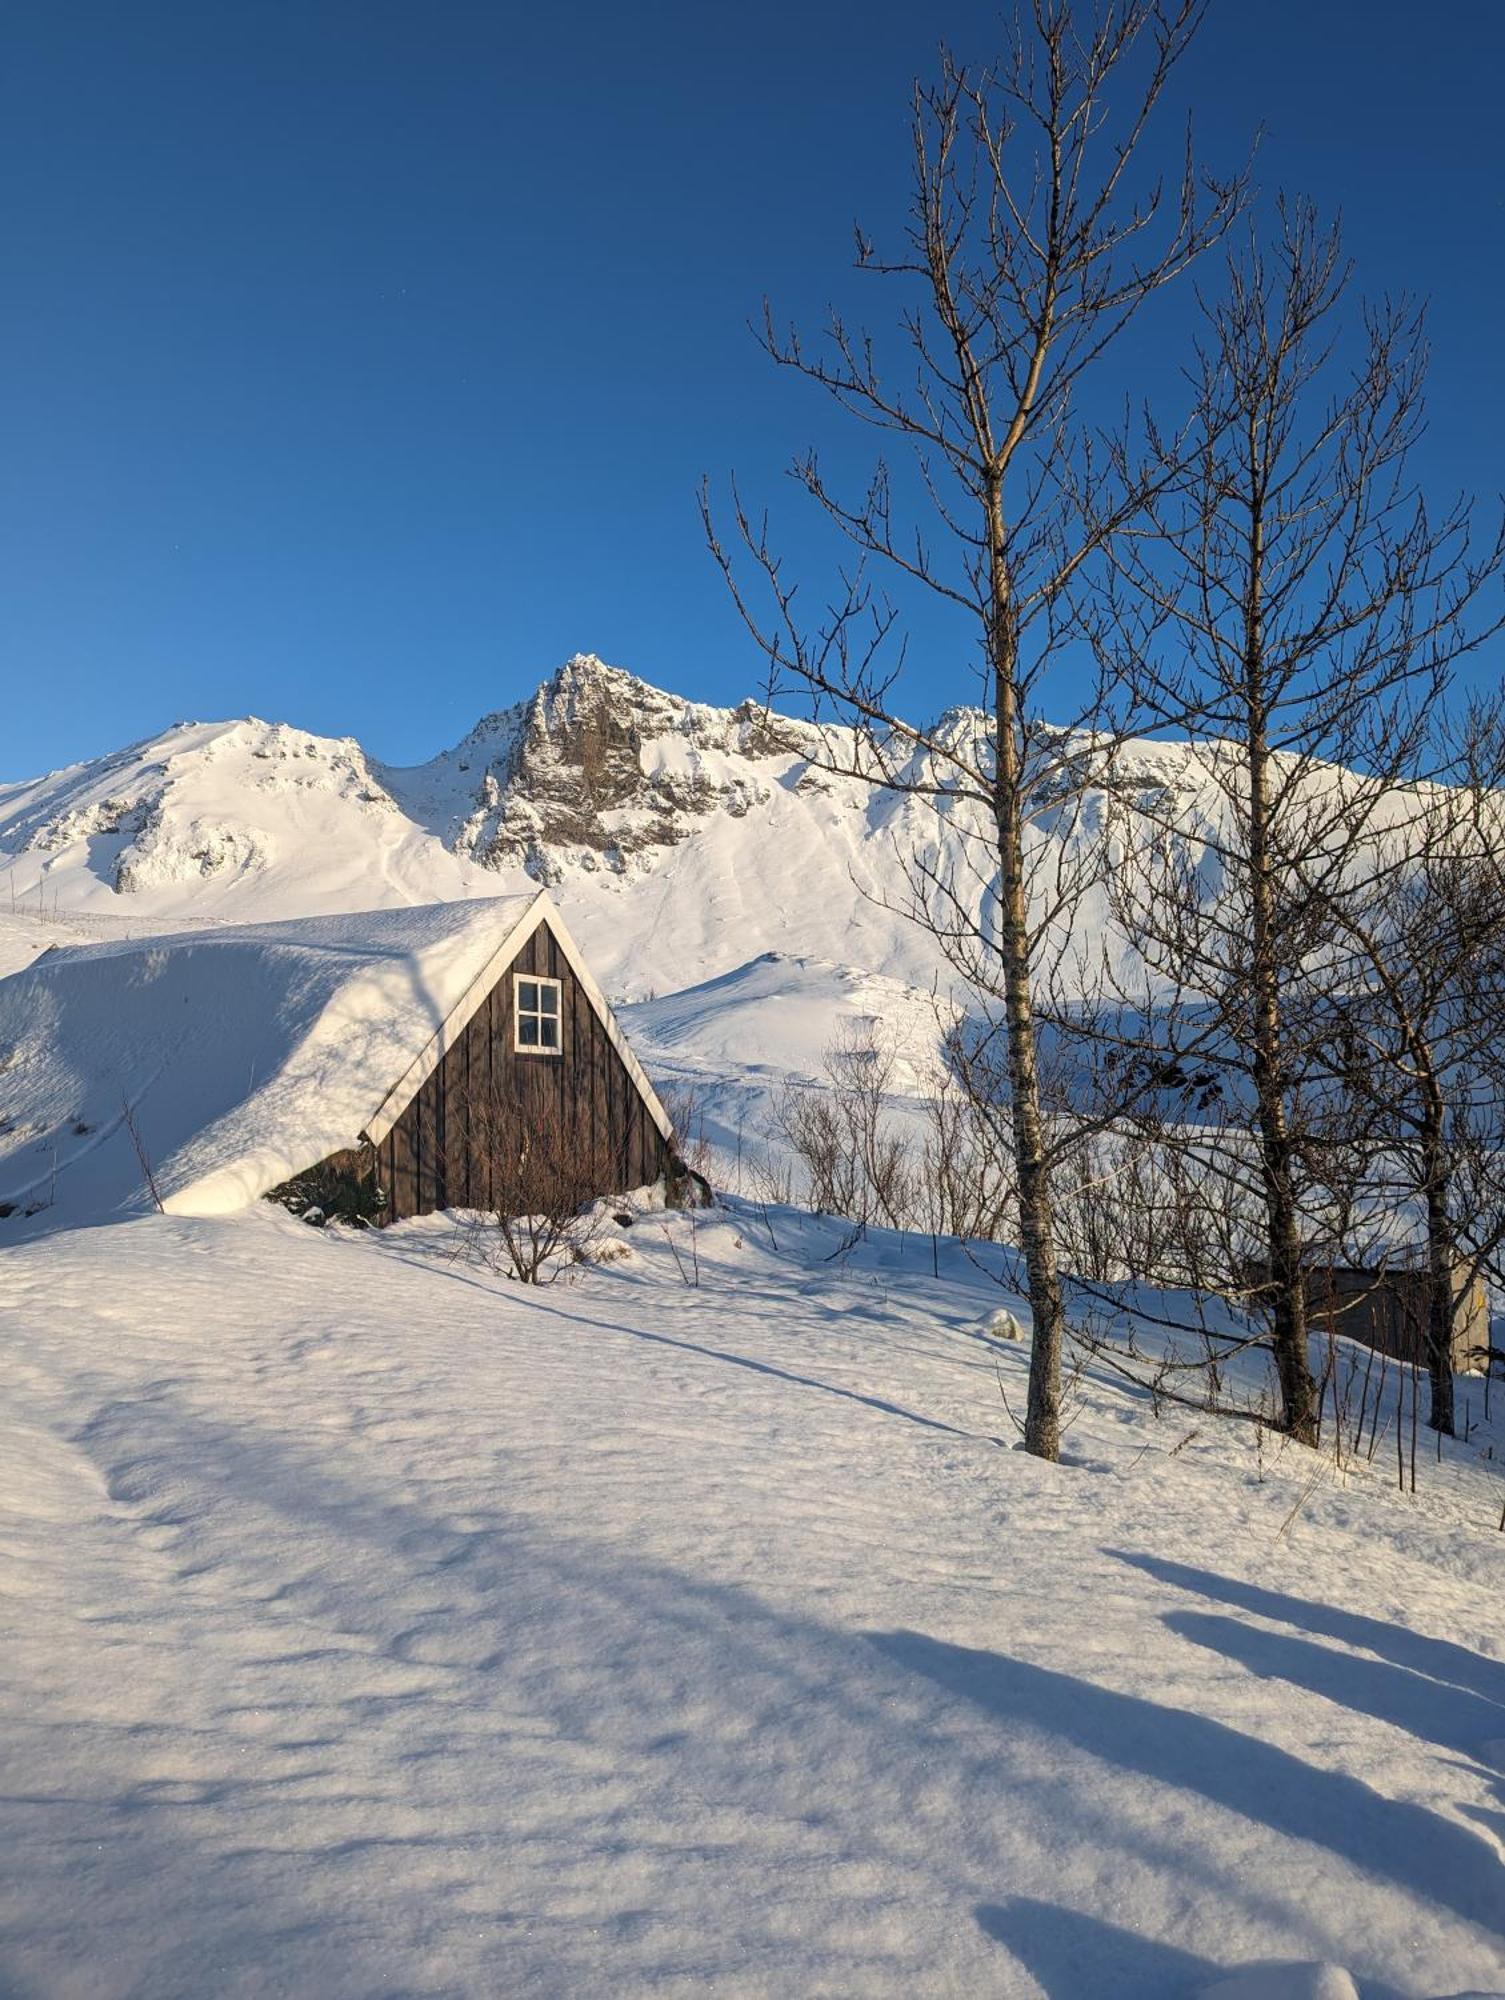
(548, 999)
(549, 1033)
(527, 994)
(527, 1031)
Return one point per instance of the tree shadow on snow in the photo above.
(1070, 1954)
(1404, 1843)
(1448, 1716)
(1434, 1689)
(1437, 1659)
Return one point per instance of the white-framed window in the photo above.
(536, 1009)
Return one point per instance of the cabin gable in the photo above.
(439, 1150)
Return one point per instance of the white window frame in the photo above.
(539, 1014)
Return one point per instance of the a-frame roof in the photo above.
(540, 910)
(224, 1061)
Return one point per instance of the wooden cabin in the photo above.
(1389, 1310)
(380, 1065)
(528, 1089)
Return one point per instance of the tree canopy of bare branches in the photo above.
(1033, 240)
(1299, 613)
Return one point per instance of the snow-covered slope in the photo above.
(727, 1050)
(376, 1627)
(211, 1065)
(25, 933)
(237, 819)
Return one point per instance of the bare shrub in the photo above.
(686, 1108)
(857, 1158)
(547, 1171)
(966, 1185)
(687, 1179)
(143, 1158)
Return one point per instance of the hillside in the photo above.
(673, 834)
(380, 1627)
(691, 1625)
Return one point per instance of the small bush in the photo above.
(337, 1190)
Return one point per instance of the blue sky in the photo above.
(358, 362)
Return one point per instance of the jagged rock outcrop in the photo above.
(599, 769)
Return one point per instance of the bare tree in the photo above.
(856, 1155)
(1032, 242)
(966, 1182)
(1419, 1029)
(1299, 611)
(547, 1171)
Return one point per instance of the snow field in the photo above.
(376, 1627)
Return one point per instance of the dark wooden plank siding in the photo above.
(439, 1153)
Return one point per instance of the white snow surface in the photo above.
(377, 1627)
(725, 1053)
(374, 1627)
(215, 1064)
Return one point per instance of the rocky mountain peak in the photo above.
(598, 769)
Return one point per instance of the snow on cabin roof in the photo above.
(244, 1053)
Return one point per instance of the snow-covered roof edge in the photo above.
(542, 910)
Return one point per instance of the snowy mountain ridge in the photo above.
(682, 839)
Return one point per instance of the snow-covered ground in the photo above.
(376, 1627)
(725, 1052)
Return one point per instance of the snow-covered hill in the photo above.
(377, 1627)
(684, 843)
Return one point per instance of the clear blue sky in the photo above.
(358, 361)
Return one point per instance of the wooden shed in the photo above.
(1390, 1311)
(529, 1078)
(1388, 1308)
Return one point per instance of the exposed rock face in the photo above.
(599, 769)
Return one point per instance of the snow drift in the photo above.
(380, 1627)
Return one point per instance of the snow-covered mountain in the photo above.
(682, 840)
(741, 901)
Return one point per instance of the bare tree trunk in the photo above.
(1298, 1388)
(1042, 1423)
(1440, 1262)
